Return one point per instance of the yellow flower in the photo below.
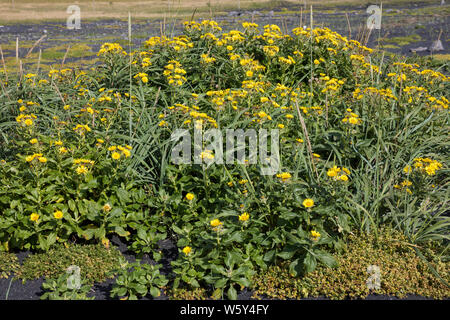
(407, 169)
(215, 223)
(315, 235)
(187, 250)
(284, 176)
(33, 141)
(280, 125)
(115, 155)
(82, 169)
(308, 203)
(316, 62)
(244, 217)
(58, 214)
(353, 120)
(42, 159)
(105, 242)
(34, 217)
(107, 207)
(249, 73)
(190, 196)
(344, 178)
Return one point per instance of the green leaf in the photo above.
(123, 196)
(327, 259)
(232, 294)
(155, 292)
(221, 283)
(310, 262)
(71, 204)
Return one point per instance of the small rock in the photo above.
(234, 13)
(419, 49)
(437, 46)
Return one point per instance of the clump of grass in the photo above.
(8, 264)
(96, 262)
(402, 272)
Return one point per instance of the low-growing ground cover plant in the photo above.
(363, 143)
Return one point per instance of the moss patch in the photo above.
(402, 272)
(95, 261)
(9, 264)
(402, 41)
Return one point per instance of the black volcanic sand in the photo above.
(397, 21)
(14, 289)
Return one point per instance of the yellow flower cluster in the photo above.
(143, 76)
(438, 104)
(177, 43)
(38, 156)
(386, 94)
(83, 165)
(251, 66)
(113, 48)
(204, 25)
(338, 174)
(26, 119)
(404, 185)
(81, 129)
(249, 25)
(331, 84)
(427, 165)
(206, 59)
(271, 50)
(175, 73)
(289, 60)
(124, 151)
(351, 118)
(414, 68)
(200, 118)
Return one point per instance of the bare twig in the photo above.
(4, 90)
(65, 55)
(17, 49)
(349, 28)
(3, 63)
(39, 61)
(34, 45)
(308, 141)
